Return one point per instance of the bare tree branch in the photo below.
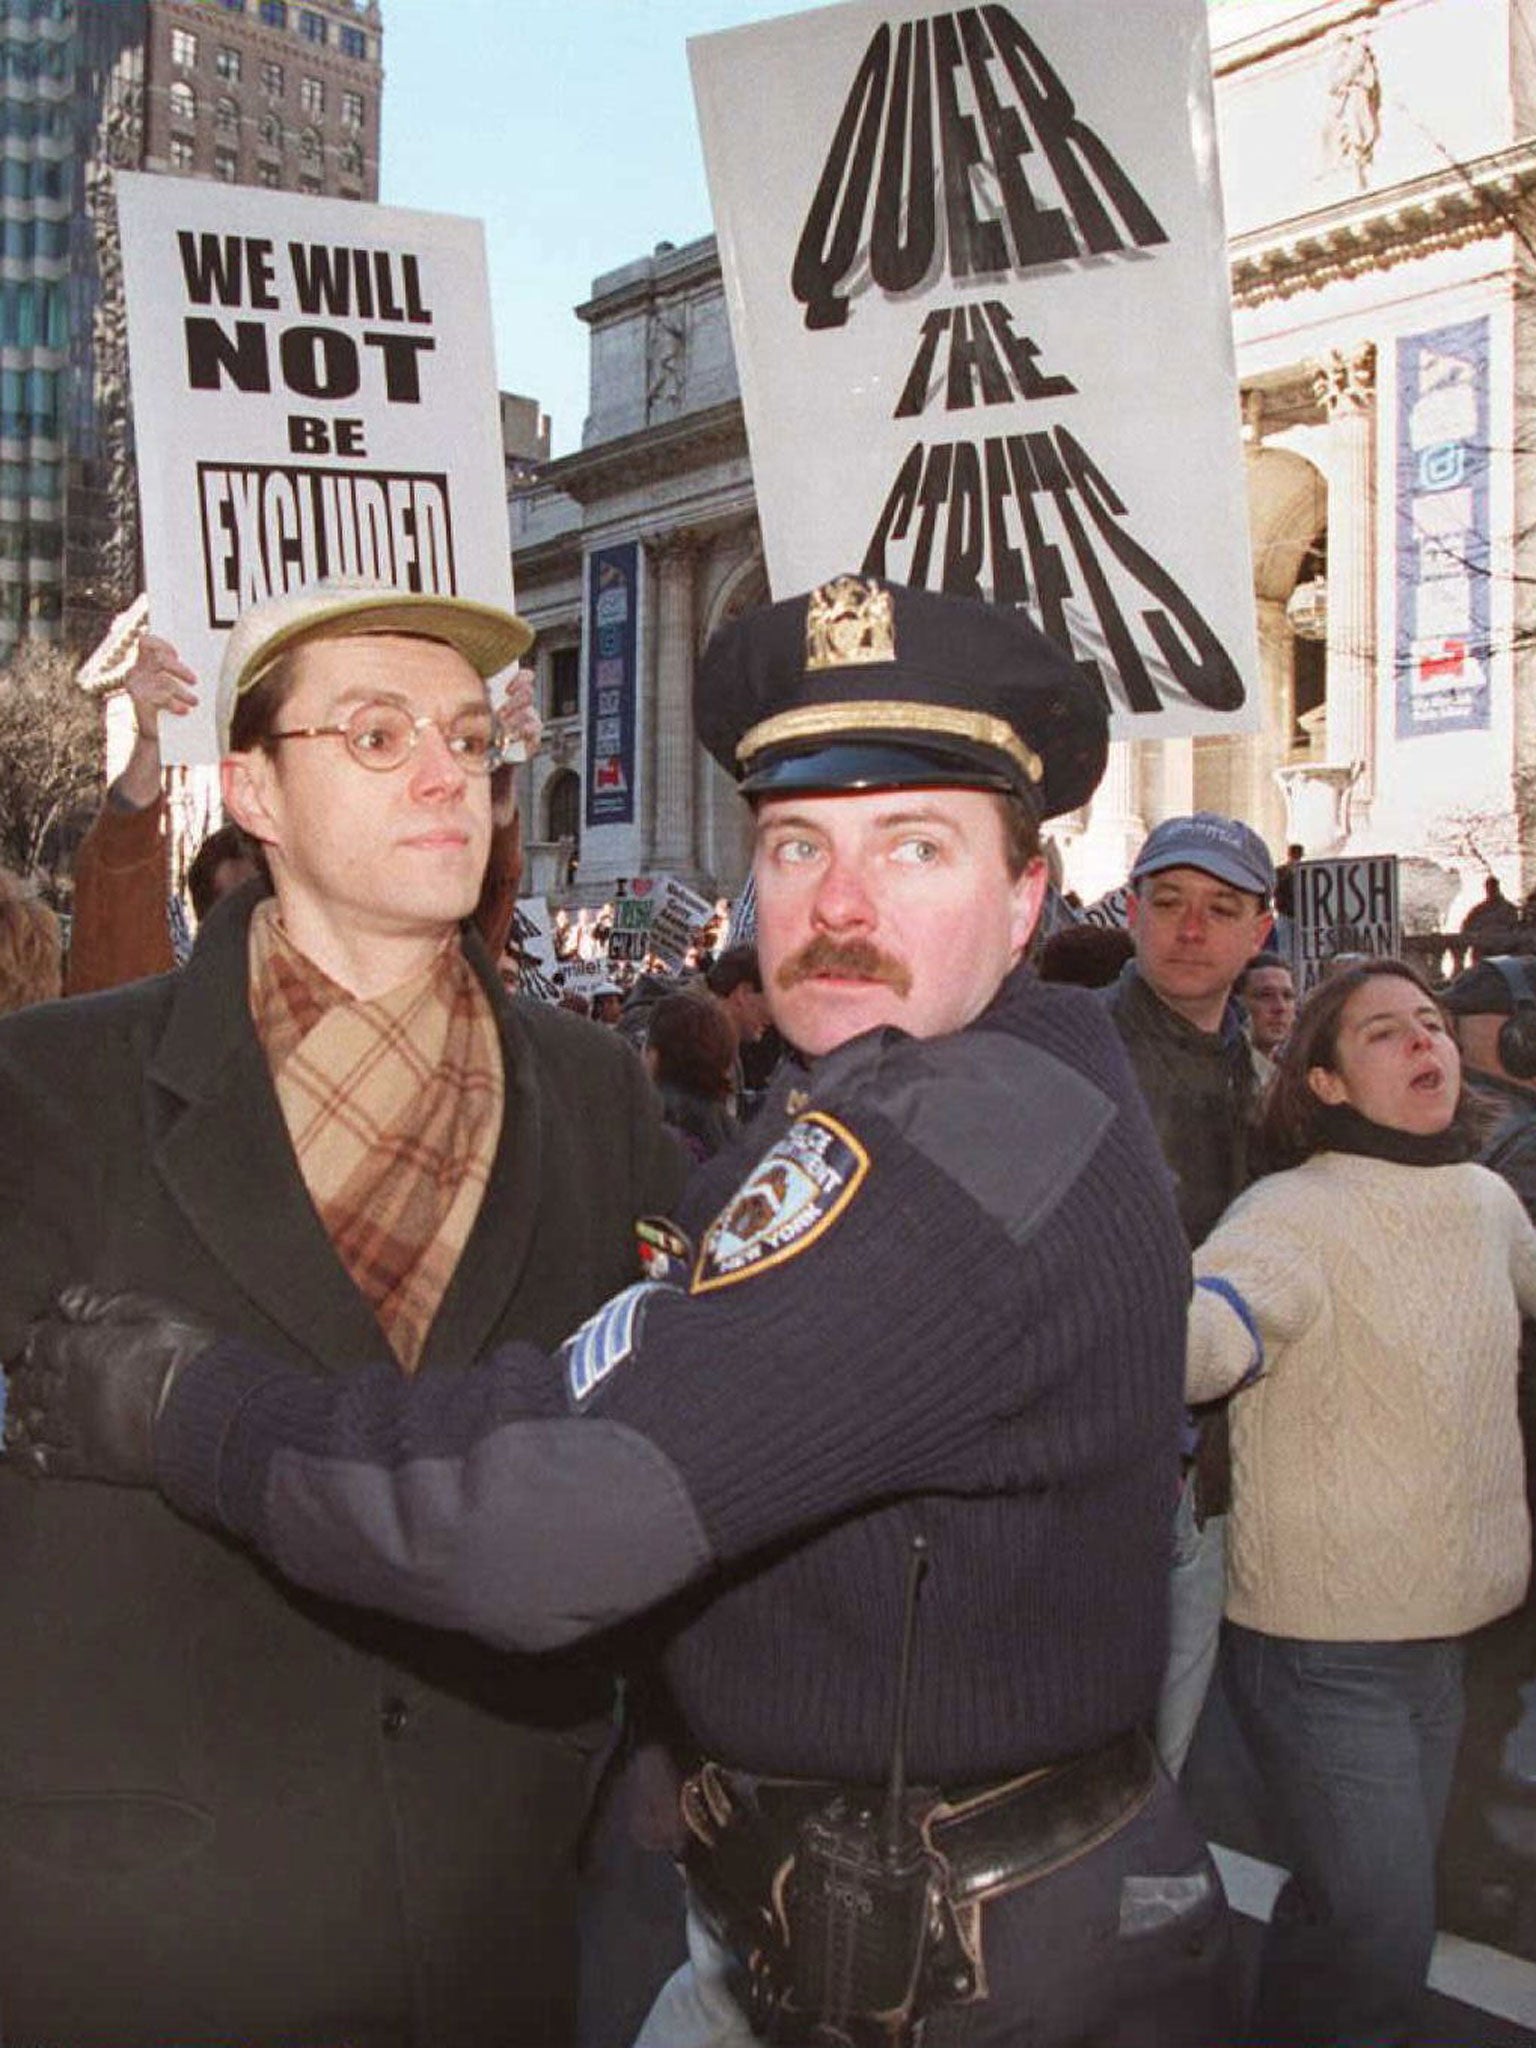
(50, 761)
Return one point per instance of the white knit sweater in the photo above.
(1377, 1473)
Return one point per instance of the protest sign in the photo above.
(1343, 906)
(629, 938)
(680, 915)
(314, 394)
(581, 977)
(742, 927)
(977, 278)
(532, 936)
(657, 914)
(1111, 910)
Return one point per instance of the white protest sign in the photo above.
(679, 916)
(581, 974)
(1344, 906)
(533, 932)
(314, 394)
(977, 279)
(1111, 910)
(532, 939)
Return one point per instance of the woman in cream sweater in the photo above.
(1368, 1303)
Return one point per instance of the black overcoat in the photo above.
(231, 1813)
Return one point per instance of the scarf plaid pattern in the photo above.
(394, 1107)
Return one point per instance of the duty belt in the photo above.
(840, 1936)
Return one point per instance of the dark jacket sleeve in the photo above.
(1512, 1155)
(851, 1331)
(119, 931)
(494, 912)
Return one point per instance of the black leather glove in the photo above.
(84, 1396)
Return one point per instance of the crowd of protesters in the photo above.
(1352, 1506)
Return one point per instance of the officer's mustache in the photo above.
(856, 959)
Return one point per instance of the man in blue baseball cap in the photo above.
(1199, 911)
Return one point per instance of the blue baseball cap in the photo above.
(1224, 847)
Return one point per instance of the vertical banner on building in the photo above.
(314, 395)
(613, 612)
(1442, 531)
(976, 271)
(1344, 906)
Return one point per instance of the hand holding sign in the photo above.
(521, 730)
(517, 717)
(159, 681)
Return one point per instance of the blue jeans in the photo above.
(695, 2008)
(1197, 1594)
(1356, 1742)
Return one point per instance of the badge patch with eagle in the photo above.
(796, 1191)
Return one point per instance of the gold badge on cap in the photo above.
(847, 622)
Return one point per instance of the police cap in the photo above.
(863, 684)
(1496, 986)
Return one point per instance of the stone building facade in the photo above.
(1378, 159)
(283, 93)
(663, 467)
(1382, 279)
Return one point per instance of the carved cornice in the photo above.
(668, 274)
(1445, 209)
(1345, 380)
(676, 549)
(547, 563)
(650, 455)
(1231, 52)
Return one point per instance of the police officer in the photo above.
(891, 1428)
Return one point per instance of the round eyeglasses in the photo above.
(384, 736)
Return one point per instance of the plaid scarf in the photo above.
(394, 1107)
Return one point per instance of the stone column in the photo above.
(1167, 775)
(1116, 827)
(670, 827)
(1131, 796)
(1267, 750)
(1346, 388)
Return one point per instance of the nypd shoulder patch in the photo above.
(796, 1191)
(606, 1340)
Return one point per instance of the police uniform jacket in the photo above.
(948, 1296)
(1509, 1145)
(230, 1811)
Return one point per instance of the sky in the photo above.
(567, 126)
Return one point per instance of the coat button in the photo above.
(394, 1716)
